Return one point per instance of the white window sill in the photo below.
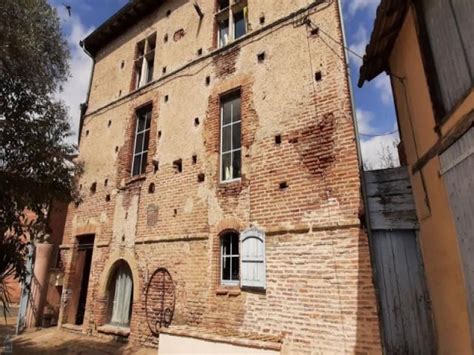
(114, 330)
(224, 182)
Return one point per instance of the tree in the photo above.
(35, 168)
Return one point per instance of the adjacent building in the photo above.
(221, 190)
(427, 48)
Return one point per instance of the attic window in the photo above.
(145, 61)
(232, 21)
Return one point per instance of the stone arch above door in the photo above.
(115, 257)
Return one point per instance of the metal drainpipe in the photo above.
(362, 176)
(86, 103)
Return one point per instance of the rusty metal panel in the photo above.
(404, 302)
(457, 167)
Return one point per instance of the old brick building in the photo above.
(219, 149)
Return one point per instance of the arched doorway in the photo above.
(120, 291)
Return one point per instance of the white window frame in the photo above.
(141, 62)
(235, 7)
(229, 256)
(144, 111)
(259, 235)
(231, 124)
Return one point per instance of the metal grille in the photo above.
(160, 300)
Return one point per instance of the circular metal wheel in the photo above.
(160, 300)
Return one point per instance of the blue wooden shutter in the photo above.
(253, 258)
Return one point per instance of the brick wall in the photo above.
(319, 295)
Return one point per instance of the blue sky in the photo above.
(374, 103)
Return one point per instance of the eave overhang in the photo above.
(126, 17)
(388, 22)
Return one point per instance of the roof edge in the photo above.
(387, 24)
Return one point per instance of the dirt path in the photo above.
(60, 342)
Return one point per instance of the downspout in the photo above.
(362, 175)
(85, 104)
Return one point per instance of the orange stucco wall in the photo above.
(438, 240)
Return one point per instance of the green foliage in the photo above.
(35, 164)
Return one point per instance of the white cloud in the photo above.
(360, 40)
(364, 120)
(382, 84)
(75, 89)
(380, 152)
(357, 5)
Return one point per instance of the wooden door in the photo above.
(407, 325)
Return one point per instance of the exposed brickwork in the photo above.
(319, 295)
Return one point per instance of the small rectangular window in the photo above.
(142, 140)
(145, 61)
(231, 145)
(231, 21)
(230, 259)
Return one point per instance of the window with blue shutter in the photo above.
(252, 259)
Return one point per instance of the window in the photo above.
(145, 61)
(231, 21)
(120, 296)
(230, 261)
(231, 148)
(253, 259)
(446, 40)
(142, 139)
(243, 259)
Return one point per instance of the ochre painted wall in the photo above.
(438, 239)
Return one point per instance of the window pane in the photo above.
(223, 33)
(226, 268)
(236, 138)
(226, 112)
(226, 167)
(148, 119)
(136, 165)
(226, 138)
(226, 244)
(240, 27)
(150, 70)
(235, 269)
(236, 164)
(223, 4)
(236, 110)
(141, 123)
(139, 143)
(138, 75)
(147, 140)
(144, 162)
(235, 244)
